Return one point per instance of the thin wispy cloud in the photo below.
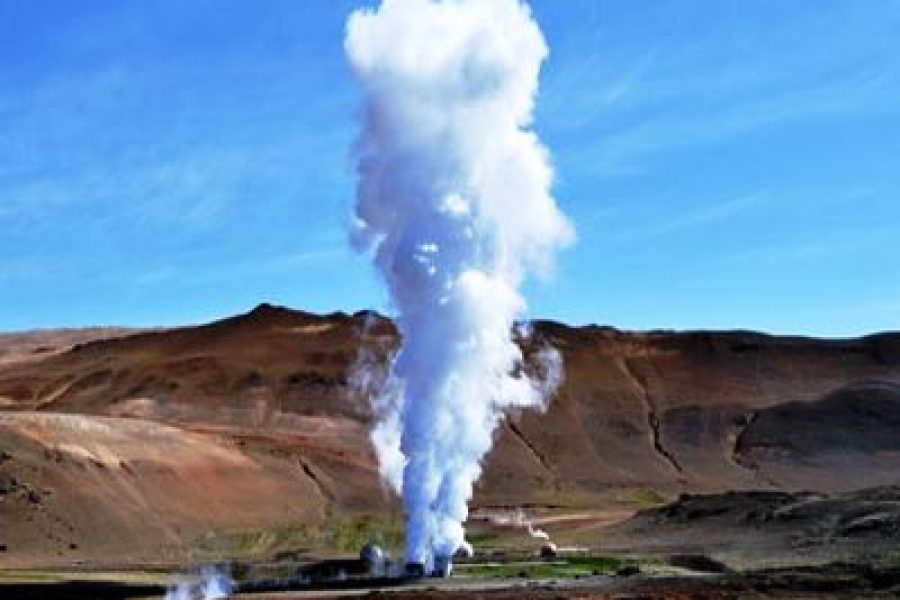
(691, 90)
(695, 217)
(292, 264)
(816, 247)
(865, 93)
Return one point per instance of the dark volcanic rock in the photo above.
(699, 563)
(862, 417)
(628, 571)
(769, 524)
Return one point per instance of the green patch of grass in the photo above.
(349, 534)
(646, 497)
(564, 568)
(257, 542)
(886, 559)
(29, 576)
(48, 576)
(483, 539)
(339, 534)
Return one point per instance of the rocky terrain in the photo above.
(769, 529)
(248, 435)
(37, 345)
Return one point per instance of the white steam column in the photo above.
(454, 204)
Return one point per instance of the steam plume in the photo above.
(211, 583)
(520, 519)
(453, 201)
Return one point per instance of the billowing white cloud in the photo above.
(454, 203)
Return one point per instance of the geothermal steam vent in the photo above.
(454, 206)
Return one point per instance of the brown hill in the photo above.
(250, 423)
(771, 528)
(37, 345)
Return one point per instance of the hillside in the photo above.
(151, 442)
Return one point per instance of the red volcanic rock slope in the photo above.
(152, 442)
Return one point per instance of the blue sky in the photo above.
(726, 164)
